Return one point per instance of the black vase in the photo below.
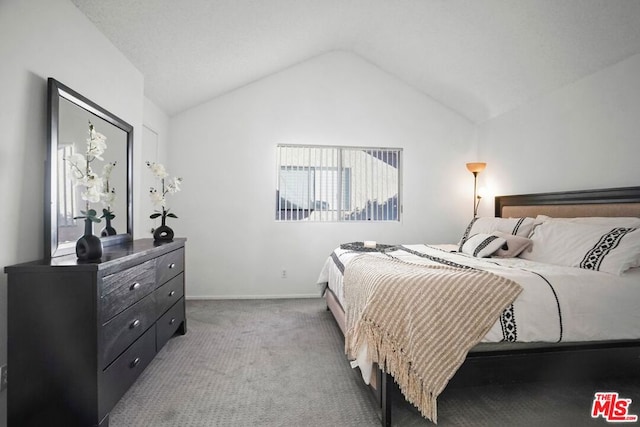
(108, 230)
(88, 247)
(164, 233)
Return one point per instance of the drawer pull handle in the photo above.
(172, 321)
(172, 265)
(135, 362)
(135, 286)
(134, 324)
(172, 293)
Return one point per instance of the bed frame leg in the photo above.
(385, 398)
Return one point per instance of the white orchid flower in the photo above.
(174, 185)
(92, 194)
(157, 198)
(95, 148)
(158, 170)
(108, 197)
(107, 169)
(92, 180)
(96, 143)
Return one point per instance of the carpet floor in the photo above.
(282, 363)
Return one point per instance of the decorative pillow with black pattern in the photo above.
(487, 225)
(589, 246)
(482, 245)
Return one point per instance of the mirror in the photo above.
(69, 118)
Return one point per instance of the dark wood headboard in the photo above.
(623, 201)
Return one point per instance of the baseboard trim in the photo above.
(275, 296)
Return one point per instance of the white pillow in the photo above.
(482, 245)
(613, 221)
(487, 225)
(589, 246)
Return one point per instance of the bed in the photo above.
(549, 316)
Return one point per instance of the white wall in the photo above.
(585, 135)
(40, 39)
(225, 151)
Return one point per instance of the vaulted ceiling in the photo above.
(480, 58)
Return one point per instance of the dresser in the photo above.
(79, 334)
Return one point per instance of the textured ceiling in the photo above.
(478, 57)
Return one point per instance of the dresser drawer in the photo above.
(122, 330)
(169, 293)
(169, 265)
(120, 290)
(169, 322)
(119, 376)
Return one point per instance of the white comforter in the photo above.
(557, 304)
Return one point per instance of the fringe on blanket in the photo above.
(390, 358)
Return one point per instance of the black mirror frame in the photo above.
(57, 90)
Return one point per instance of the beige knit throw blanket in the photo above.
(419, 321)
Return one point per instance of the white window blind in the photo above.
(328, 183)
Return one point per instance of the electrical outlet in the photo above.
(284, 274)
(3, 377)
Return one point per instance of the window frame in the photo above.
(287, 214)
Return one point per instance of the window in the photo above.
(325, 183)
(66, 190)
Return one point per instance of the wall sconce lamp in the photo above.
(475, 168)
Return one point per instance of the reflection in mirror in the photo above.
(70, 117)
(72, 134)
